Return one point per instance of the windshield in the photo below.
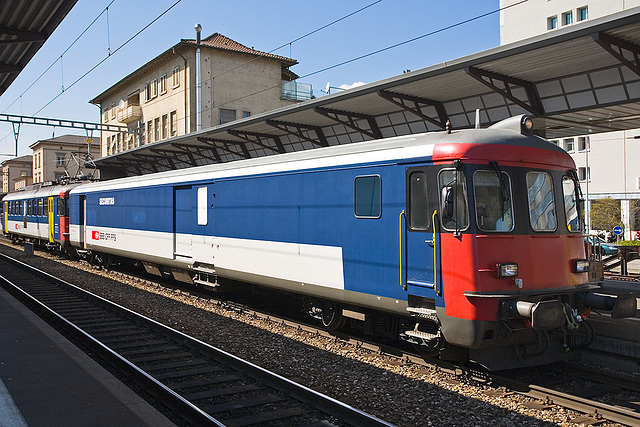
(542, 208)
(493, 201)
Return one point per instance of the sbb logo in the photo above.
(95, 235)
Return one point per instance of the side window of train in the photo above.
(202, 206)
(454, 209)
(571, 205)
(542, 207)
(62, 207)
(367, 196)
(419, 215)
(492, 195)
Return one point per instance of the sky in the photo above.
(51, 85)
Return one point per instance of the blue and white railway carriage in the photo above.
(310, 222)
(32, 214)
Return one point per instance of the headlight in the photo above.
(507, 270)
(581, 266)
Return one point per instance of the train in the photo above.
(467, 244)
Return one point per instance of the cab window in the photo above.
(453, 200)
(571, 205)
(542, 207)
(492, 195)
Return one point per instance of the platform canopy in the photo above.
(24, 27)
(580, 79)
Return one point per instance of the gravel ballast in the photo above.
(400, 393)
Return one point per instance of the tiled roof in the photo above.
(67, 139)
(215, 41)
(219, 41)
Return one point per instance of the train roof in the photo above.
(403, 148)
(40, 190)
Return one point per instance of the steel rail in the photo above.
(192, 413)
(576, 403)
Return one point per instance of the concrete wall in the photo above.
(614, 157)
(529, 19)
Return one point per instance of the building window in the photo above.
(583, 14)
(173, 123)
(175, 77)
(147, 92)
(163, 84)
(552, 22)
(246, 114)
(567, 18)
(368, 197)
(583, 143)
(119, 139)
(149, 131)
(113, 111)
(154, 88)
(568, 145)
(165, 126)
(105, 115)
(156, 123)
(61, 159)
(554, 141)
(227, 116)
(584, 174)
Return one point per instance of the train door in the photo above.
(183, 220)
(6, 217)
(421, 247)
(51, 218)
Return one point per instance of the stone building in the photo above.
(159, 100)
(16, 173)
(61, 156)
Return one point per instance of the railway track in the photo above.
(598, 395)
(199, 383)
(547, 394)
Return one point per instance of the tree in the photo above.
(605, 214)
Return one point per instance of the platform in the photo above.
(45, 380)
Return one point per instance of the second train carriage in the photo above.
(39, 214)
(468, 243)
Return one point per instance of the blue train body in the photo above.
(440, 239)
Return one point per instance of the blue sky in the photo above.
(262, 24)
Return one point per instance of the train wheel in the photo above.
(96, 259)
(430, 349)
(331, 317)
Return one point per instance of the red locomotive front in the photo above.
(513, 268)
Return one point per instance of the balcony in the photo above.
(294, 91)
(129, 114)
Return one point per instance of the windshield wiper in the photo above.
(504, 190)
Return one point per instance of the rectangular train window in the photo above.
(453, 186)
(493, 201)
(419, 218)
(542, 207)
(202, 206)
(40, 207)
(571, 206)
(62, 207)
(368, 196)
